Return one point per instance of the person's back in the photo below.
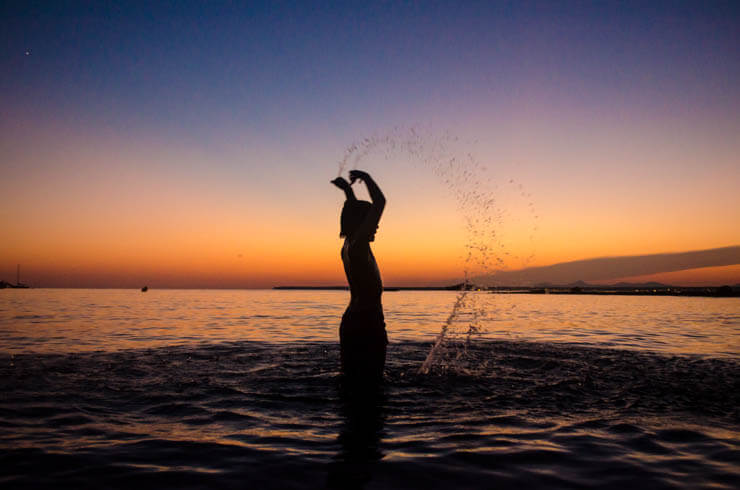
(362, 274)
(362, 332)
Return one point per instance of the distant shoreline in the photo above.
(390, 288)
(708, 291)
(607, 290)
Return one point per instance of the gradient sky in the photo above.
(190, 144)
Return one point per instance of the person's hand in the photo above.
(341, 183)
(357, 174)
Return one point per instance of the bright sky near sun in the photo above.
(191, 144)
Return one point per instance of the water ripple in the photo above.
(507, 414)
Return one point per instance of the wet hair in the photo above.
(353, 213)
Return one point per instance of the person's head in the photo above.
(353, 214)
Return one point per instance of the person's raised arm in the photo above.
(370, 223)
(346, 187)
(376, 195)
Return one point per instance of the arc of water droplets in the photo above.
(485, 251)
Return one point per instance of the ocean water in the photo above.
(241, 389)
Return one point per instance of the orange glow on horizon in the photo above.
(99, 211)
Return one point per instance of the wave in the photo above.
(507, 413)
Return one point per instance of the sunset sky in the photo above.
(191, 144)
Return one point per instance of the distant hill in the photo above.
(653, 285)
(584, 284)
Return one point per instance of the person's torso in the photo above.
(363, 276)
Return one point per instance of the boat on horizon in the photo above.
(18, 284)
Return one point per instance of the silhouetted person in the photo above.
(362, 335)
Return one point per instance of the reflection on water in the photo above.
(275, 415)
(359, 436)
(202, 389)
(57, 320)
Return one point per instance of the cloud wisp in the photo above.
(605, 268)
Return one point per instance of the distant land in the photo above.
(454, 287)
(577, 287)
(583, 284)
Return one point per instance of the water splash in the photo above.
(486, 208)
(443, 351)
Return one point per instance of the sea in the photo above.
(242, 389)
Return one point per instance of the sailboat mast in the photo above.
(18, 274)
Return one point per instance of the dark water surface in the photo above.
(228, 413)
